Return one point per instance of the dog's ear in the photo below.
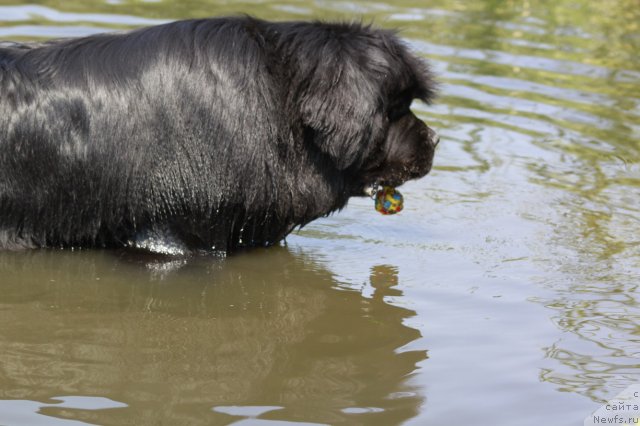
(337, 91)
(340, 107)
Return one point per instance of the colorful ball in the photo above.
(388, 200)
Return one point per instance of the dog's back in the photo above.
(106, 137)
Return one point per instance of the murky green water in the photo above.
(506, 293)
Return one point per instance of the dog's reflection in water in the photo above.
(264, 328)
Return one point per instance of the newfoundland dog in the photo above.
(203, 135)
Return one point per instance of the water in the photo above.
(505, 293)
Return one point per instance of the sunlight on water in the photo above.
(30, 413)
(505, 293)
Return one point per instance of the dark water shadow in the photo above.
(176, 339)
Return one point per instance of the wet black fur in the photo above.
(218, 133)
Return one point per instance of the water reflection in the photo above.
(601, 346)
(33, 413)
(267, 328)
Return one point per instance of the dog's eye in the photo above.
(399, 110)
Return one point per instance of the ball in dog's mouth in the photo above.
(387, 199)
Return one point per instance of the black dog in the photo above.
(210, 134)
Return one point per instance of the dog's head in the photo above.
(355, 100)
